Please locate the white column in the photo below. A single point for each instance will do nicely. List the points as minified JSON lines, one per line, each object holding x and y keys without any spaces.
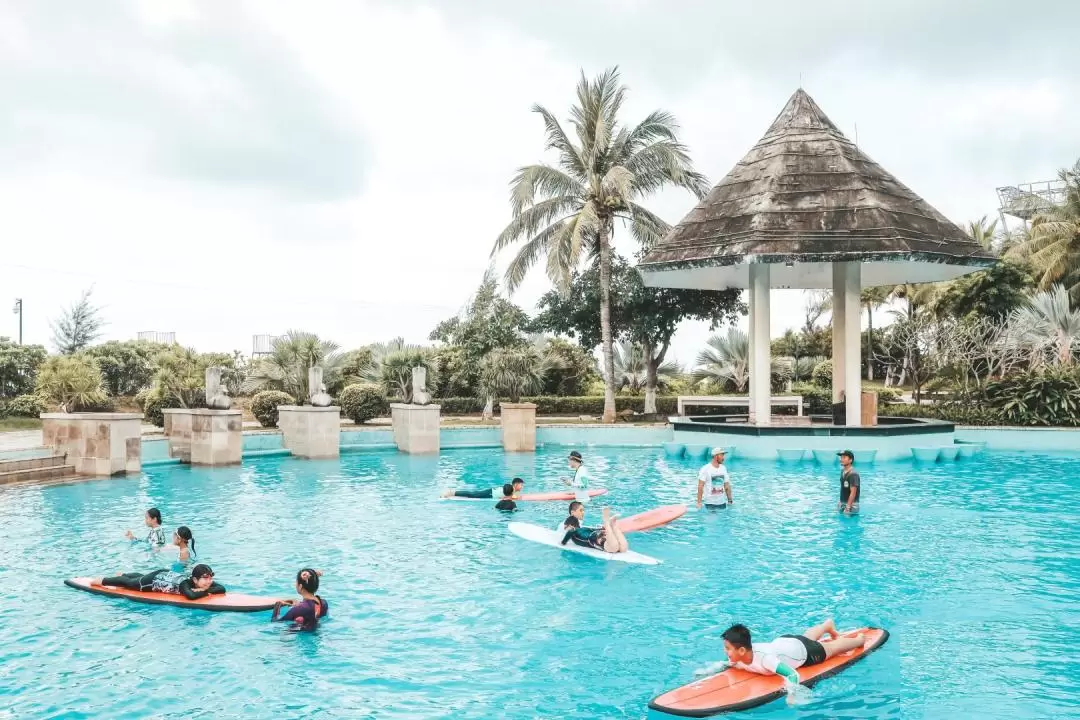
{"x":760,"y":365}
{"x":853,"y":342}
{"x":838,"y":317}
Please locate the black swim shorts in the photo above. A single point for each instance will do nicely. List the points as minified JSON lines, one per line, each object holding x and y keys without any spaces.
{"x":815,"y":651}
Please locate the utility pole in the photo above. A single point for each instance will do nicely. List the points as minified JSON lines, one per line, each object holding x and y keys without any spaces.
{"x":18,"y":311}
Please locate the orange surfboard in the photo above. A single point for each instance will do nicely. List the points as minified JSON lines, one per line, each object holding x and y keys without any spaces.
{"x":229,"y":602}
{"x":651,"y":518}
{"x":566,"y":495}
{"x":735,"y":689}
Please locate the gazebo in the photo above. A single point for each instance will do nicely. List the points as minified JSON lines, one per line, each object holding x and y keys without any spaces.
{"x":806,"y":209}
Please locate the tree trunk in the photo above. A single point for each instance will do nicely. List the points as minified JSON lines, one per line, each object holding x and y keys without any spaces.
{"x":605,"y":321}
{"x":651,"y":364}
{"x":870,"y":343}
{"x":489,"y":408}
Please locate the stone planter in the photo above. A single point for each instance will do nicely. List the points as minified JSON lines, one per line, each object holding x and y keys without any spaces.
{"x":518,"y":422}
{"x":416,"y":427}
{"x":310,"y":432}
{"x":97,"y":444}
{"x":178,"y":432}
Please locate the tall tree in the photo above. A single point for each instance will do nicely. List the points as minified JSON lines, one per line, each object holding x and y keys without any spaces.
{"x":19,"y":367}
{"x":78,"y":326}
{"x":565,"y":210}
{"x":647,"y":316}
{"x":1053,"y":244}
{"x":872,"y":299}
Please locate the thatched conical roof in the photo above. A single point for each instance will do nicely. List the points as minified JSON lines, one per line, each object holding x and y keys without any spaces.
{"x":805,"y":197}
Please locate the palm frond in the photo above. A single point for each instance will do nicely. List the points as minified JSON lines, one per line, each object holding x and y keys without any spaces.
{"x":543,"y":181}
{"x":530,"y":222}
{"x":570,"y":156}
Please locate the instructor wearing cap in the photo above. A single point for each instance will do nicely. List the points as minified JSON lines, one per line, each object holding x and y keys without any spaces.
{"x":714,"y":483}
{"x":850,"y":484}
{"x":580,"y":481}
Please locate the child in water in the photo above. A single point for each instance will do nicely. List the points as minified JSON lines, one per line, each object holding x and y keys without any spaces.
{"x":194,"y":587}
{"x":183,"y":544}
{"x":156,"y":537}
{"x":608,"y":538}
{"x":507,"y":503}
{"x":306,"y":613}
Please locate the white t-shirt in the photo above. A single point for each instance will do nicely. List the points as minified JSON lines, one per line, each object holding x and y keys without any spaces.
{"x":714,"y":479}
{"x":768,"y":655}
{"x":580,"y":484}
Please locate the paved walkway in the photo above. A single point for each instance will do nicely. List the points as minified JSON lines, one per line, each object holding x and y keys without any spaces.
{"x":20,"y":440}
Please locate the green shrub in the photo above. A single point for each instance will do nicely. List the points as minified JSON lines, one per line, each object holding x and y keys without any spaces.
{"x":558,"y":405}
{"x":264,"y":406}
{"x":816,"y":400}
{"x":25,"y":406}
{"x":461,"y":405}
{"x":1049,"y":396}
{"x":959,"y":414}
{"x":887,"y":395}
{"x":822,"y":374}
{"x":363,"y":401}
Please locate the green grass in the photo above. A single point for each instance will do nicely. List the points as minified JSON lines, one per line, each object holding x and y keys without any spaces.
{"x":19,"y":423}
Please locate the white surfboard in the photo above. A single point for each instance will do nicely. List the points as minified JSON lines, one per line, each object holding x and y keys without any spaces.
{"x":545,"y":536}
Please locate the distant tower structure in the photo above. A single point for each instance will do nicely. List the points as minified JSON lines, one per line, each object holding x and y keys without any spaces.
{"x":262,"y":345}
{"x":153,"y":336}
{"x":1027,"y":200}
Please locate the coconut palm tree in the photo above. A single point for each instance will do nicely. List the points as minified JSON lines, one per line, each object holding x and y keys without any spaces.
{"x":632,"y":369}
{"x":565,"y":211}
{"x":1049,"y":325}
{"x":1053,"y":243}
{"x":725,"y":358}
{"x":872,"y":299}
{"x":286,"y":367}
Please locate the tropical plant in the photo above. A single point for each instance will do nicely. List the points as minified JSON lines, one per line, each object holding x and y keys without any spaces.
{"x":564,"y":211}
{"x":78,"y":326}
{"x":1049,"y":326}
{"x":264,"y":406}
{"x":71,"y":381}
{"x":19,"y":367}
{"x":1053,"y":242}
{"x":818,"y":302}
{"x":363,"y":402}
{"x":512,"y":373}
{"x":872,"y":298}
{"x":127,"y":367}
{"x":30,"y":406}
{"x":357,"y":366}
{"x":632,"y":369}
{"x":396,"y":370}
{"x":1043,"y":396}
{"x":726,"y":359}
{"x":571,"y":368}
{"x":822,"y":375}
{"x":291,"y":357}
{"x":181,"y":375}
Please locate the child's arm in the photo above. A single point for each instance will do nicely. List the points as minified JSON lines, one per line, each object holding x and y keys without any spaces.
{"x":714,"y":668}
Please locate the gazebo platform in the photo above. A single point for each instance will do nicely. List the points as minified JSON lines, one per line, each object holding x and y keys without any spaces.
{"x":892,"y":438}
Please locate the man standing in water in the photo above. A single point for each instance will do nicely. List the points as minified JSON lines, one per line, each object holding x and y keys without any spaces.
{"x":850,"y":484}
{"x":714,"y":483}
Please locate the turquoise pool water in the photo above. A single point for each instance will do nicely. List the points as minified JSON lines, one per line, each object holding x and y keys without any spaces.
{"x":438,"y":612}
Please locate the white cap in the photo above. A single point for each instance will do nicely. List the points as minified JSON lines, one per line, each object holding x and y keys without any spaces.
{"x":718,"y":451}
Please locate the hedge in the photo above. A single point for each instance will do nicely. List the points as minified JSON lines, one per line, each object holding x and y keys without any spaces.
{"x":30,"y":406}
{"x":959,"y":414}
{"x":361,"y":402}
{"x":264,"y":406}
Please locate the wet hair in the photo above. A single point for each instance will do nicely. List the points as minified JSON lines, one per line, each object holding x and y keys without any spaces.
{"x":571,"y":521}
{"x":574,"y":506}
{"x":515,"y":481}
{"x":575,"y":455}
{"x":508,"y":490}
{"x":308,"y":579}
{"x":739,"y":636}
{"x":506,"y":504}
{"x":154,"y":514}
{"x":185,"y":534}
{"x":200,"y":570}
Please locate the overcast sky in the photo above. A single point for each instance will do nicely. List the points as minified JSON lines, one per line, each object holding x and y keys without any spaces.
{"x":221,"y":169}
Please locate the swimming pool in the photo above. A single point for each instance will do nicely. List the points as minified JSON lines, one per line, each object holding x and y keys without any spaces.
{"x":438,"y":612}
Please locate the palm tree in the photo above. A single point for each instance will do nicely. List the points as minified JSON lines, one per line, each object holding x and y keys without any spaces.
{"x":872,"y":298}
{"x":1053,"y":243}
{"x":562,"y":211}
{"x":726,"y":358}
{"x":984,"y":233}
{"x":71,"y":381}
{"x":1049,"y":325}
{"x":511,"y":372}
{"x":632,"y":369}
{"x":286,"y":367}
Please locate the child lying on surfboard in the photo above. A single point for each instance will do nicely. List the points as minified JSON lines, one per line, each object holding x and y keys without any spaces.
{"x":783,"y":655}
{"x":608,"y":538}
{"x":490,"y":493}
{"x":198,"y":585}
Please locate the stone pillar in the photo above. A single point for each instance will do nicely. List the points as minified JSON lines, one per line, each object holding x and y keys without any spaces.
{"x":178,"y":432}
{"x":760,"y":358}
{"x":310,"y":432}
{"x":852,"y":372}
{"x":518,"y":421}
{"x":838,"y":319}
{"x":97,"y":444}
{"x":217,"y":436}
{"x":416,"y":427}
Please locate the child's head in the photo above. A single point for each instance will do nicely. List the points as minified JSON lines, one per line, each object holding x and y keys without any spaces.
{"x":518,"y":484}
{"x":737,"y":644}
{"x":307,"y":580}
{"x":508,"y":490}
{"x":577,"y":510}
{"x":574,"y":460}
{"x":202,"y":577}
{"x":153,"y":518}
{"x":184,"y":537}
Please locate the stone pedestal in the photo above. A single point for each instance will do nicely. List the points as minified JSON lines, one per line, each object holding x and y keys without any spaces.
{"x":98,"y":444}
{"x":178,"y":432}
{"x":518,"y":422}
{"x":217,"y":436}
{"x":416,"y":427}
{"x":310,"y":432}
